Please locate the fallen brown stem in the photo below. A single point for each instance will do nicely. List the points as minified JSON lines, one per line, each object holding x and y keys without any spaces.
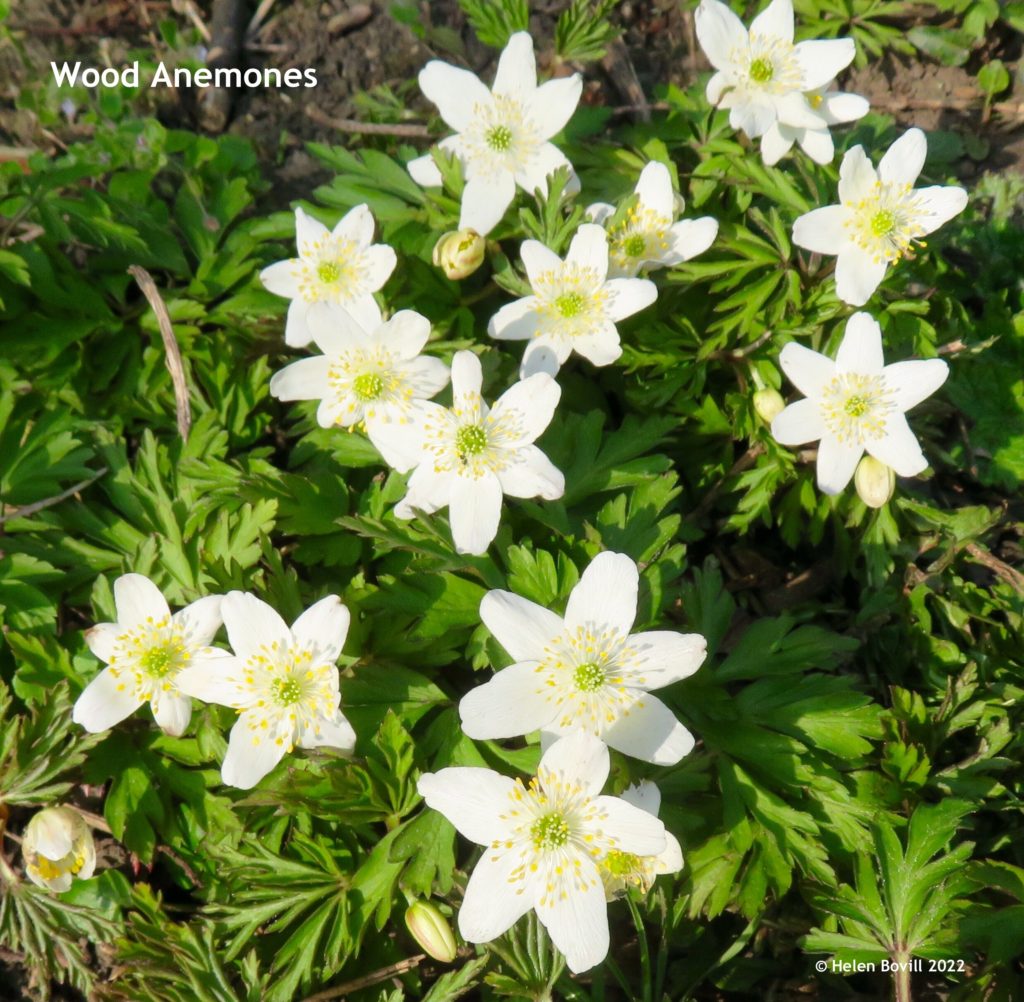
{"x":367,"y":128}
{"x":982,"y":556}
{"x":31,"y":509}
{"x":373,"y":978}
{"x":354,"y":17}
{"x":172,"y":352}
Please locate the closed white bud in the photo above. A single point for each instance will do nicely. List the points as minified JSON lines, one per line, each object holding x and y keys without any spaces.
{"x":769,"y":404}
{"x":459,"y":253}
{"x":431,"y":930}
{"x":58,"y":846}
{"x":874,"y":481}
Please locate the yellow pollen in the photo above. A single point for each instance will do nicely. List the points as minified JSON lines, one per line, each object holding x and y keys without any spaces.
{"x":368,"y":386}
{"x":499,"y":138}
{"x":328,"y":272}
{"x":470,"y":440}
{"x":883,"y":222}
{"x":761,"y":71}
{"x":549,"y":831}
{"x":570,"y":304}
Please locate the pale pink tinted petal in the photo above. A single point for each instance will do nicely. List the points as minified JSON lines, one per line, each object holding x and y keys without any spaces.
{"x":799,"y":423}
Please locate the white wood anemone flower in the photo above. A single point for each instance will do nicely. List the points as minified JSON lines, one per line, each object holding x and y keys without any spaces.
{"x":649,"y":237}
{"x":835,"y":108}
{"x":468,"y":456}
{"x":856,"y":404}
{"x":585,"y":671}
{"x":574,"y":306}
{"x":58,"y":847}
{"x":879,"y":216}
{"x":621,"y":870}
{"x":342,"y":266}
{"x":283,"y":683}
{"x":762,"y":76}
{"x":146,"y":651}
{"x":369,"y":376}
{"x":501,"y":134}
{"x":543,"y":844}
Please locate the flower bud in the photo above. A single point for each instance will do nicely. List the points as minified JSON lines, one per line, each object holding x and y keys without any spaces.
{"x":57,"y":846}
{"x":874,"y":482}
{"x":459,"y":253}
{"x":431,"y":930}
{"x":769,"y":404}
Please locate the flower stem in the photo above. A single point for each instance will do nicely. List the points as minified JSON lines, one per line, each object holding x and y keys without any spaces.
{"x":645,"y":950}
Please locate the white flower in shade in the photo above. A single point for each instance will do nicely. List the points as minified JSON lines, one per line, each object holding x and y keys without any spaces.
{"x":502,"y":133}
{"x":283,"y":682}
{"x":57,"y":847}
{"x":835,"y":107}
{"x":342,"y":266}
{"x":544,"y":841}
{"x":145,"y":651}
{"x":574,"y":306}
{"x":879,"y":216}
{"x":762,"y":76}
{"x":371,"y":376}
{"x":649,"y":237}
{"x":468,"y":456}
{"x":586,"y":670}
{"x":620,"y":870}
{"x":855,"y":404}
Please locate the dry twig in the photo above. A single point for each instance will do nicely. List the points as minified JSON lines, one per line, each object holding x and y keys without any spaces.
{"x":367,"y":128}
{"x":369,"y":979}
{"x":31,"y":509}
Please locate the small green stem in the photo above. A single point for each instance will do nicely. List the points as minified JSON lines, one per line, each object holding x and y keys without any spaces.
{"x":645,"y":950}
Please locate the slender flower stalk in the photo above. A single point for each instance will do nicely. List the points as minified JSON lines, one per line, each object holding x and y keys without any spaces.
{"x":544,"y":843}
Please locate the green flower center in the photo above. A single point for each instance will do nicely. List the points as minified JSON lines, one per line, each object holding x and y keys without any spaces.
{"x":499,"y":138}
{"x":328,"y":272}
{"x":470,"y":440}
{"x":368,"y":386}
{"x":588,"y":677}
{"x":634,"y":246}
{"x":621,"y":864}
{"x":570,"y":304}
{"x":286,"y":690}
{"x":761,"y":71}
{"x":549,"y":832}
{"x":158,"y":661}
{"x":856,"y":406}
{"x":883,"y":223}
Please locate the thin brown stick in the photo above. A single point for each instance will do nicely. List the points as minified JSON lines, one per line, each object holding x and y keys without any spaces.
{"x":31,"y":509}
{"x":619,"y":67}
{"x":172,"y":357}
{"x":367,"y":128}
{"x":982,"y":556}
{"x":369,"y":979}
{"x":347,"y":20}
{"x":735,"y":354}
{"x":256,"y":22}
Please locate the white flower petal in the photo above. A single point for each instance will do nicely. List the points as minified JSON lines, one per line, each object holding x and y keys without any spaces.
{"x":532,"y":475}
{"x":809,"y":371}
{"x":547,"y":355}
{"x":405,"y":333}
{"x":514,"y":702}
{"x":322,"y":628}
{"x":644,"y":795}
{"x":820,"y":60}
{"x":939,"y":204}
{"x":578,"y":922}
{"x":305,"y":379}
{"x":914,"y":381}
{"x":602,"y":347}
{"x":425,"y":375}
{"x":524,"y":410}
{"x":650,"y":733}
{"x":597,"y":212}
{"x":200,"y":620}
{"x":690,"y":237}
{"x":605,"y":595}
{"x":467,"y":374}
{"x":522,"y":627}
{"x":518,"y":321}
{"x":661,"y":657}
{"x":138,"y":601}
{"x":474,"y":510}
{"x":334,"y":733}
{"x":356,"y":225}
{"x":457,"y":93}
{"x":838,"y":107}
{"x":858,"y":275}
{"x":795,"y":111}
{"x":378,"y":263}
{"x":424,"y":171}
{"x":634,"y":829}
{"x":309,"y":232}
{"x":837,"y":462}
{"x":818,"y":145}
{"x":628,"y":296}
{"x":775,"y":21}
{"x":472,"y":799}
{"x":898,"y":448}
{"x":252,"y":625}
{"x":296,"y":328}
{"x":403,"y":443}
{"x":172,"y":712}
{"x":822,"y":230}
{"x":580,"y":758}
{"x":102,"y":704}
{"x":553,"y":103}
{"x":485,"y":199}
{"x":102,"y":639}
{"x":545,"y":160}
{"x":337,"y":330}
{"x":717,"y":87}
{"x":517,"y":67}
{"x":252,"y":752}
{"x":428,"y":492}
{"x":857,"y":178}
{"x":799,"y":423}
{"x":860,"y":351}
{"x":720,"y":33}
{"x":214,"y":676}
{"x":281,"y":278}
{"x":493,"y":903}
{"x":655,"y":190}
{"x":775,"y":144}
{"x":754,"y":117}
{"x":903,"y":160}
{"x":589,"y":249}
{"x":537,"y":259}
{"x":670,"y":859}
